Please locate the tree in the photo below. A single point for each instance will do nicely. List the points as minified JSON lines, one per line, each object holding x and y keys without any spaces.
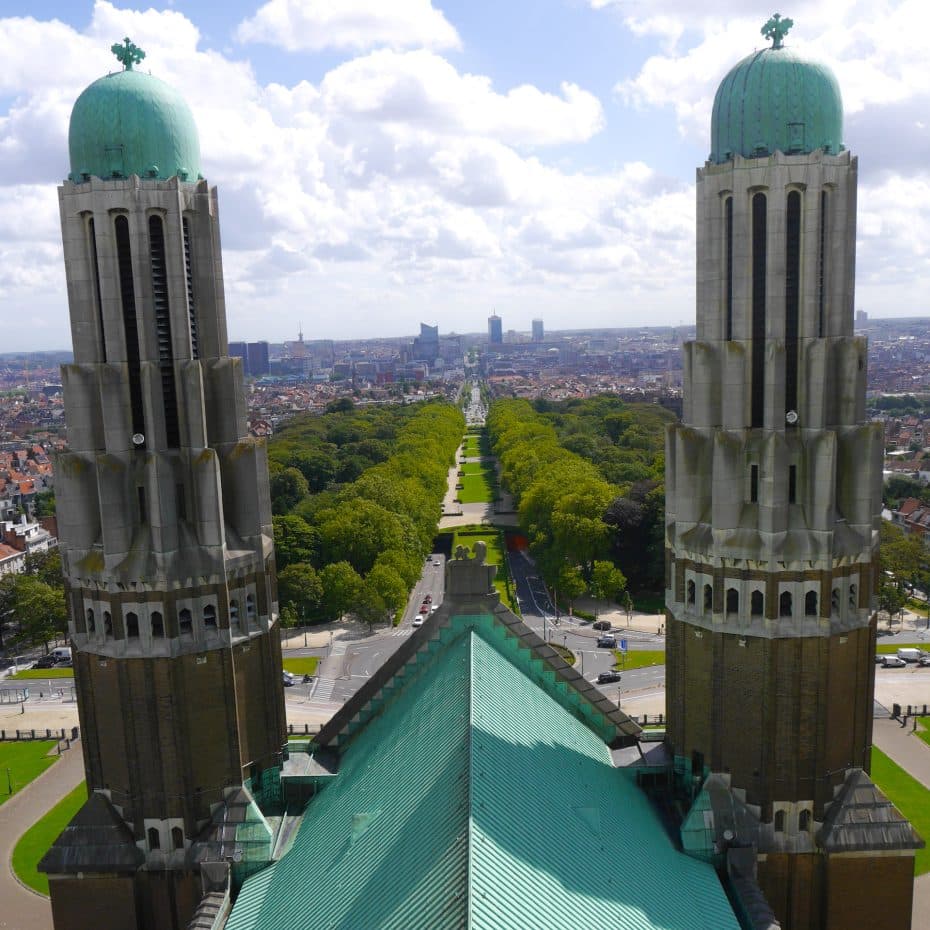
{"x":295,"y":540}
{"x":570,"y":583}
{"x":341,"y":587}
{"x":288,"y":488}
{"x":40,"y":610}
{"x":45,"y":504}
{"x":300,"y":588}
{"x":607,"y":581}
{"x":383,"y":593}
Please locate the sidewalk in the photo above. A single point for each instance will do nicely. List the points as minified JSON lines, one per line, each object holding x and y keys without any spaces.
{"x":23,"y":909}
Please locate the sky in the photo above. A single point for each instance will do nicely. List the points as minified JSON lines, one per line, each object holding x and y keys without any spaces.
{"x":382,"y":163}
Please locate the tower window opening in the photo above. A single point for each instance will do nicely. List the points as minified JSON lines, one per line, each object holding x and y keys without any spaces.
{"x":250,"y":607}
{"x":757,"y":603}
{"x":708,"y":597}
{"x":191,"y":304}
{"x":91,"y":622}
{"x":95,"y":272}
{"x":132,"y":626}
{"x":853,"y":603}
{"x":177,"y":837}
{"x":779,"y":821}
{"x":185,"y":623}
{"x":732,"y":601}
{"x":234,"y":613}
{"x":154,"y":839}
{"x":158,"y":625}
{"x":792,"y":297}
{"x":728,"y":271}
{"x":754,"y":483}
{"x":810,"y":604}
{"x":822,"y":264}
{"x":784,"y":604}
{"x":143,"y":510}
{"x":792,"y":484}
{"x":209,"y":617}
{"x":835,"y":602}
{"x":759,"y":265}
{"x":130,"y":324}
{"x":690,"y":592}
{"x":804,"y":820}
{"x":162,"y":308}
{"x":107,"y":624}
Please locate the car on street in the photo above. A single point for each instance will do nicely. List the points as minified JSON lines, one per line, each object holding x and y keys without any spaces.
{"x":607,"y":642}
{"x":924,"y":662}
{"x":418,"y":620}
{"x":600,"y":625}
{"x":287,"y":679}
{"x":437,"y":563}
{"x":607,"y":677}
{"x":45,"y":662}
{"x":428,"y":599}
{"x":893,"y":662}
{"x":424,"y":608}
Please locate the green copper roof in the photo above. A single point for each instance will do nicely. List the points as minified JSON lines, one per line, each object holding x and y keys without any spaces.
{"x":474,"y":796}
{"x":775,"y":100}
{"x":132,"y":123}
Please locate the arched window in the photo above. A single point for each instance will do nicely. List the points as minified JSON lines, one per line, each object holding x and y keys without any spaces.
{"x":792,"y":281}
{"x":732,"y":601}
{"x":759,"y":273}
{"x":784,"y":604}
{"x":158,"y":625}
{"x":163,"y":329}
{"x":177,"y":837}
{"x":779,"y":821}
{"x":728,"y":258}
{"x":132,"y":626}
{"x":853,"y":602}
{"x":835,"y":602}
{"x":708,"y":597}
{"x":690,"y":592}
{"x":91,"y":622}
{"x":130,"y":324}
{"x":810,"y":604}
{"x":209,"y":617}
{"x":185,"y":622}
{"x":154,"y":838}
{"x":250,"y":607}
{"x":757,"y":603}
{"x":804,"y":820}
{"x":107,"y":623}
{"x":234,"y":613}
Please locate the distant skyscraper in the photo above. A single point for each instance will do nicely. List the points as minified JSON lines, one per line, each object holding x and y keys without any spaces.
{"x":165,"y":523}
{"x":538,"y":332}
{"x":495,"y":330}
{"x":258,"y":359}
{"x":240,"y":350}
{"x":773,"y":503}
{"x":426,"y":345}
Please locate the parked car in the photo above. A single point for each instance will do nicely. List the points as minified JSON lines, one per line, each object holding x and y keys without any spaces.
{"x":607,"y":642}
{"x":910,"y":654}
{"x":600,"y":625}
{"x":893,"y":662}
{"x":418,"y":620}
{"x":428,"y":599}
{"x":878,"y":658}
{"x":45,"y":662}
{"x":606,"y":677}
{"x":287,"y":679}
{"x":924,"y":662}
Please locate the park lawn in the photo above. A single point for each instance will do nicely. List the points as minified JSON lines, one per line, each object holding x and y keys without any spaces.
{"x":21,"y":761}
{"x":891,"y":648}
{"x":909,"y":796}
{"x":467,"y":536}
{"x":638,"y":658}
{"x":35,"y":842}
{"x":923,"y":729}
{"x":479,"y":488}
{"x":45,"y":673}
{"x":302,"y":665}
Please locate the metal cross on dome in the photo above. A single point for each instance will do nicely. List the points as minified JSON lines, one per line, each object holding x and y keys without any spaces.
{"x":776,"y":29}
{"x":127,"y":53}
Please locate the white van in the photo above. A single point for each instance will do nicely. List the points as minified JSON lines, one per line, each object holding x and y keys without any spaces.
{"x":61,"y":653}
{"x":910,"y":654}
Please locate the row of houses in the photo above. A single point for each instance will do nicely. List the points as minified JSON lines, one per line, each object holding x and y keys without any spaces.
{"x":24,"y":537}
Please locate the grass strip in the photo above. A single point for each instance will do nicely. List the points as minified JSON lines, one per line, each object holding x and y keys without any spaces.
{"x":35,"y":842}
{"x":302,"y":665}
{"x":43,"y":673}
{"x":638,"y":658}
{"x":909,"y":796}
{"x":21,"y":761}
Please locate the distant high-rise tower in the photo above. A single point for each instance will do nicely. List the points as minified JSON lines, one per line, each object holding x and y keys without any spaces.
{"x":538,"y":331}
{"x":165,"y":524}
{"x":495,"y":330}
{"x":773,"y":503}
{"x":240,"y":350}
{"x":258,"y":359}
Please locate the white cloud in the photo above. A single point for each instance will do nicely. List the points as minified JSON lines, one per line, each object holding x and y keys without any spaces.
{"x":312,"y":25}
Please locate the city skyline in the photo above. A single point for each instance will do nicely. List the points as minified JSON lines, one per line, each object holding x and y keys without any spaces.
{"x":443,"y":164}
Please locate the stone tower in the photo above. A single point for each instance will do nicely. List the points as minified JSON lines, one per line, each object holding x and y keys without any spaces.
{"x":164,"y":517}
{"x":773,"y":501}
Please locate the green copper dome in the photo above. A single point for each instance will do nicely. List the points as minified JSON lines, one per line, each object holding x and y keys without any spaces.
{"x":132,"y":123}
{"x":775,"y":100}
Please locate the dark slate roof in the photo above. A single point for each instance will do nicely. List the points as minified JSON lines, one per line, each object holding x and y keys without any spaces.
{"x":862,"y":818}
{"x":96,"y":840}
